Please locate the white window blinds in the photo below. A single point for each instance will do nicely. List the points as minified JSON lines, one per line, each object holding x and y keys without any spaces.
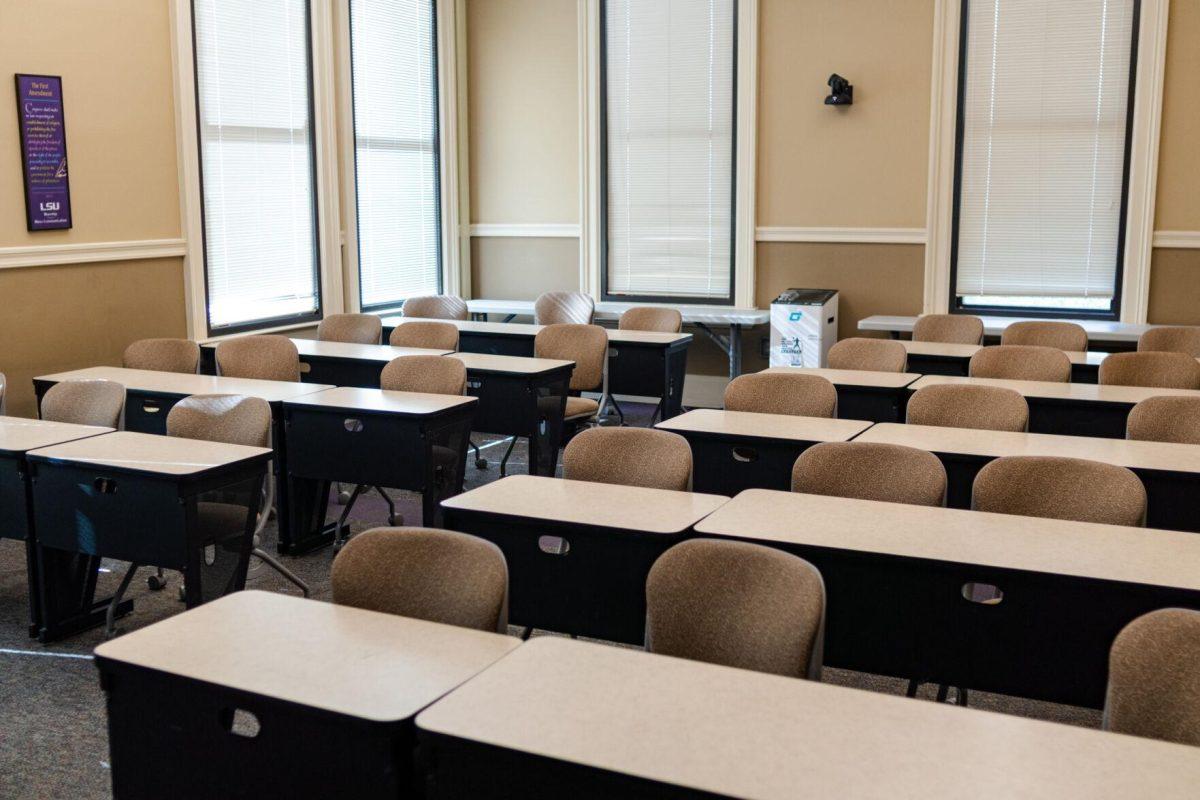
{"x":669,"y":104}
{"x":1045,"y":98}
{"x":394,"y":61}
{"x":252,"y":82}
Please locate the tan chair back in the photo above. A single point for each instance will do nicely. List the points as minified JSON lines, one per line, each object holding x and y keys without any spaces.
{"x":1046,"y":333}
{"x":352,"y":328}
{"x":651,"y":318}
{"x":429,"y":374}
{"x":1021,"y":363}
{"x":228,"y":418}
{"x":1154,"y":677}
{"x":630,"y":457}
{"x":875,"y":355}
{"x":555,"y":308}
{"x":948,"y":328}
{"x":586,"y":345}
{"x":424,"y":573}
{"x":266,"y":357}
{"x":1161,"y":370}
{"x":737,"y":604}
{"x":951,"y":405}
{"x":891,"y":473}
{"x":1055,"y":487}
{"x":84,"y":403}
{"x":434,"y":335}
{"x":1172,"y":338}
{"x":163,"y":355}
{"x":436,"y":306}
{"x":1165,"y":419}
{"x":796,"y":394}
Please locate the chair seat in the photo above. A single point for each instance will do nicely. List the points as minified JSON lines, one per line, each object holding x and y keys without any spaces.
{"x":581,"y":407}
{"x":220,"y":520}
{"x":444,"y":455}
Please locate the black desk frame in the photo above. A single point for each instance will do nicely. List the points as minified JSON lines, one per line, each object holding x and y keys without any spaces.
{"x":523,"y":404}
{"x":872,"y":403}
{"x":726,"y":464}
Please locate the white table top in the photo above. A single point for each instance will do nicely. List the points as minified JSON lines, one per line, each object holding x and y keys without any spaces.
{"x":529,"y":330}
{"x":187,"y":384}
{"x":946,"y":349}
{"x":365,"y":664}
{"x":1082,"y":392}
{"x":1059,"y":547}
{"x":855,"y":377}
{"x":765,"y":426}
{"x":381,"y":353}
{"x":707,"y":315}
{"x":603,"y":505}
{"x":407,"y":404}
{"x":1098,"y":330}
{"x":18,"y":435}
{"x":513,"y":364}
{"x":962,"y":441}
{"x":145,"y":452}
{"x":748,"y":734}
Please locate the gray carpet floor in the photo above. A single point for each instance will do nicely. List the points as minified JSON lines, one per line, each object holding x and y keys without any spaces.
{"x":53,"y":739}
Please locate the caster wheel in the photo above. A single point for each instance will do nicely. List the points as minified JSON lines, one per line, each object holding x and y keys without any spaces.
{"x":481,"y":463}
{"x":156,"y":583}
{"x":343,"y":497}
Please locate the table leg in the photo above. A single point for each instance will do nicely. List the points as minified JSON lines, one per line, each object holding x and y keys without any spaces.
{"x":735,"y":350}
{"x":546,"y":436}
{"x":67,"y":585}
{"x":674,"y":375}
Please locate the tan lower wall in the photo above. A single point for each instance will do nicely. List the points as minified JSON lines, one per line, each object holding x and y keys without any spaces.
{"x":82,"y":315}
{"x":520,"y":268}
{"x":1175,"y":287}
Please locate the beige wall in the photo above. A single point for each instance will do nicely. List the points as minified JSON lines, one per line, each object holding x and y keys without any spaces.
{"x":523,"y":268}
{"x":115,"y":61}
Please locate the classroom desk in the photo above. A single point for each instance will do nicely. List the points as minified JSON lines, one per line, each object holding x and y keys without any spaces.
{"x":333,"y":690}
{"x":1074,"y":409}
{"x":641,"y":363}
{"x":578,"y":552}
{"x":863,"y":394}
{"x":707,"y":318}
{"x":939,"y":358}
{"x":1106,"y":332}
{"x":559,"y":718}
{"x":369,"y":437}
{"x":150,"y":395}
{"x":897,"y":577}
{"x":736,"y":450}
{"x":523,"y":397}
{"x":336,"y":363}
{"x":17,"y":437}
{"x":151,"y":500}
{"x":1170,"y":472}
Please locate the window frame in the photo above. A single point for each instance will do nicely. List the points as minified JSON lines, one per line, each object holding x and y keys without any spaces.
{"x":730,"y":298}
{"x":437,"y":160}
{"x":274,"y":322}
{"x":956,"y":305}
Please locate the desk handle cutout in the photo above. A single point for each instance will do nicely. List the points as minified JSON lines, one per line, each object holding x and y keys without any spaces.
{"x":984,"y":594}
{"x":239,"y":722}
{"x":151,"y":406}
{"x":744,"y":455}
{"x":105,"y":485}
{"x":554,"y":545}
{"x":353,"y":425}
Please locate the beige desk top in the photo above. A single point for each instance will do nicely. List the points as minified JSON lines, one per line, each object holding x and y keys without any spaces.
{"x":948,"y":349}
{"x":1122,"y":452}
{"x":617,"y":336}
{"x":747,"y":734}
{"x":603,"y":505}
{"x":18,"y":435}
{"x":186,"y":384}
{"x":765,"y":426}
{"x":525,"y":329}
{"x":1058,"y":547}
{"x":145,"y":452}
{"x":1083,"y":392}
{"x":856,"y":377}
{"x":401,"y":403}
{"x":363,"y":664}
{"x":512,"y":364}
{"x":360,"y":352}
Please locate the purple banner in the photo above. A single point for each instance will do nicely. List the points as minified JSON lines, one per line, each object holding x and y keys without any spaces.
{"x":43,"y":152}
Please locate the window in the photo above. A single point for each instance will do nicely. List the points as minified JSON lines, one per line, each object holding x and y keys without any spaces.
{"x":668,"y":105}
{"x":394,"y":68}
{"x":1045,"y":100}
{"x":254,"y":114}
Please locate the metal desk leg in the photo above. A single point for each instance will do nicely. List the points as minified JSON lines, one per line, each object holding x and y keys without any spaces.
{"x":730,"y":344}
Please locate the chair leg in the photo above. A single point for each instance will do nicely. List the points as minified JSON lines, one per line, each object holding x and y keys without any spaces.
{"x":110,"y":616}
{"x":480,"y":461}
{"x":271,"y":562}
{"x":393,"y":517}
{"x":339,"y":537}
{"x":525,"y":634}
{"x":961,"y":699}
{"x":913,"y":686}
{"x":342,"y":495}
{"x":943,"y":690}
{"x":620,"y":413}
{"x":504,"y":461}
